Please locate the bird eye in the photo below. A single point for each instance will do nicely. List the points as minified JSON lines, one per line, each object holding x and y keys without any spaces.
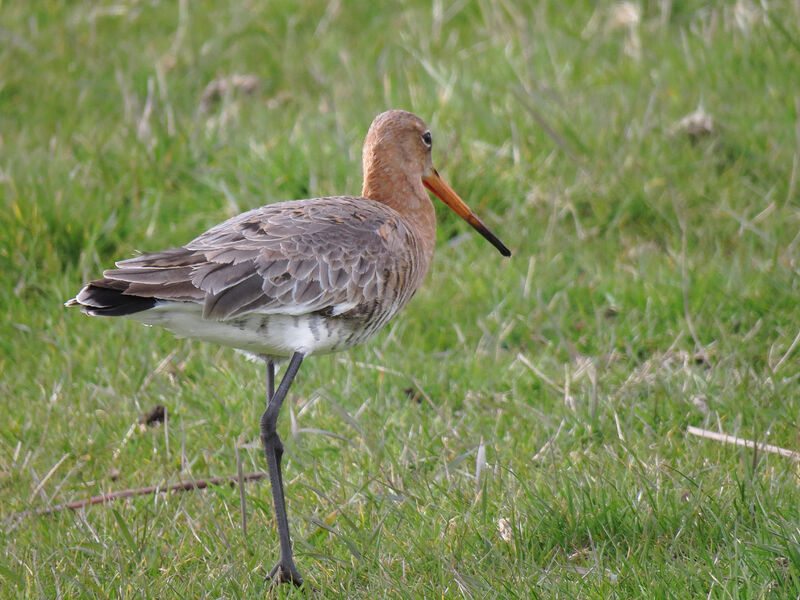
{"x":426,"y":139}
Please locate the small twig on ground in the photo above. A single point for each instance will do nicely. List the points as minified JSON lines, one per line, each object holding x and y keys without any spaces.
{"x":180,"y":486}
{"x":730,"y":439}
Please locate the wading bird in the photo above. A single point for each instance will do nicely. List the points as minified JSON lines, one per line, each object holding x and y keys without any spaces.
{"x":292,"y":279}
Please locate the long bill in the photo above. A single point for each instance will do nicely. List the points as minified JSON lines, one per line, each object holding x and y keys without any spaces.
{"x":445,"y":193}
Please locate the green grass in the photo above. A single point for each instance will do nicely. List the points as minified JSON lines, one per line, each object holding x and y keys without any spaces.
{"x":654,"y":285}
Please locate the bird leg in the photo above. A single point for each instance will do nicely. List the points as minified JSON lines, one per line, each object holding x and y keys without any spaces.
{"x":285,"y":570}
{"x":279,"y":446}
{"x":270,"y":394}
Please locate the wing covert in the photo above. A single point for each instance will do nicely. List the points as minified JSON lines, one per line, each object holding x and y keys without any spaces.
{"x":291,"y":258}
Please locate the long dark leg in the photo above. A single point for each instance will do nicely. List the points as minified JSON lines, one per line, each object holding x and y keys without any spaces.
{"x":279,"y":449}
{"x":285,"y":570}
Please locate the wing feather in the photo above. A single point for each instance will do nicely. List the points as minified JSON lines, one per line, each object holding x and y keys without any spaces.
{"x":293,"y":258}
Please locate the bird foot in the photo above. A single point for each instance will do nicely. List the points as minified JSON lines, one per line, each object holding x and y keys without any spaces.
{"x":284,"y":572}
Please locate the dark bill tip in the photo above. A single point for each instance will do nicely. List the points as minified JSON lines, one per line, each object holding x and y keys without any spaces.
{"x":487,"y":233}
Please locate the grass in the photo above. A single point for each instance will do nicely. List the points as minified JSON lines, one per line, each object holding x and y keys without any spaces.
{"x":654,"y":285}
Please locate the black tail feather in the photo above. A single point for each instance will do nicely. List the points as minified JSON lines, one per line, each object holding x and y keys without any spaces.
{"x":103,"y":298}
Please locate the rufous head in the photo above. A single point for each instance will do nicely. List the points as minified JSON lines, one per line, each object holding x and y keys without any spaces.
{"x":398,"y":146}
{"x":399,"y":141}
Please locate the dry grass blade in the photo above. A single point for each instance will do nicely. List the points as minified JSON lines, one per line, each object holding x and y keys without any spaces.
{"x":737,"y":441}
{"x":242,"y":498}
{"x":787,"y":353}
{"x":480,"y":465}
{"x":46,"y":477}
{"x":521,"y":358}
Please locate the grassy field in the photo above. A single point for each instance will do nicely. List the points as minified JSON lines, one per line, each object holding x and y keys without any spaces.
{"x":521,"y":430}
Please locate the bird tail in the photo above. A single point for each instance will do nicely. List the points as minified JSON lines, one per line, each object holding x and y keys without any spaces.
{"x":107,"y":298}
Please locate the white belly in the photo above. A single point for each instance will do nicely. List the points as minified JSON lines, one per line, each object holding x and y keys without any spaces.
{"x":275,"y":335}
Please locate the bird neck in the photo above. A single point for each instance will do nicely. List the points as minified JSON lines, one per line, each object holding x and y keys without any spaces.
{"x":405,"y":194}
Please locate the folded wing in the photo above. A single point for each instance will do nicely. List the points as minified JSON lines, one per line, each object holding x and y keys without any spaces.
{"x":334,"y":255}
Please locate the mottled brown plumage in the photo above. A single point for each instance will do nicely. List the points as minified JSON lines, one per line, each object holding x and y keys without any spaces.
{"x":292,"y":258}
{"x":295,"y":278}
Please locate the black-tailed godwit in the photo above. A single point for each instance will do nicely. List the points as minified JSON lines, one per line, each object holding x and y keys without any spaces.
{"x":292,"y":279}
